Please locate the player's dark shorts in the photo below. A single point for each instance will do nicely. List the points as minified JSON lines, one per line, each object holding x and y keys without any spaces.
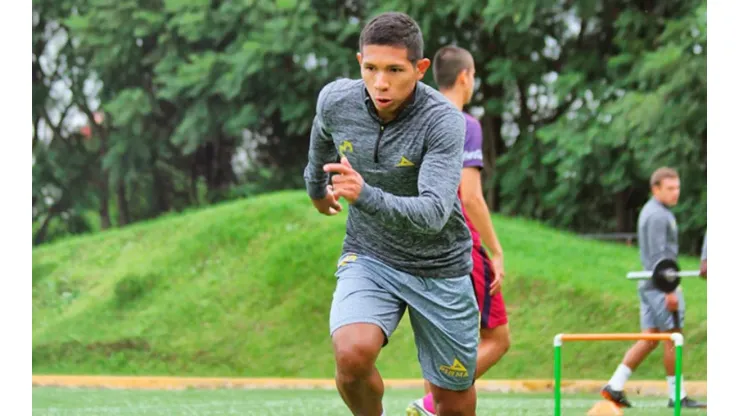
{"x":492,"y":308}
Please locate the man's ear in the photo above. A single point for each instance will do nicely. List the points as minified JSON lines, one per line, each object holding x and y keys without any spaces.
{"x":359,"y":58}
{"x":462,"y":77}
{"x":421,"y":67}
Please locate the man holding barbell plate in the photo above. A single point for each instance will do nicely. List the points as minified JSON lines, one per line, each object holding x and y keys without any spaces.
{"x":657,"y":235}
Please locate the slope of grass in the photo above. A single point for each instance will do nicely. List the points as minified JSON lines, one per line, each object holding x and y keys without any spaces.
{"x":244,"y":288}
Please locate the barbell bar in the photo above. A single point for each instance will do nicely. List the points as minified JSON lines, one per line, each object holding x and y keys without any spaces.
{"x":666,"y":275}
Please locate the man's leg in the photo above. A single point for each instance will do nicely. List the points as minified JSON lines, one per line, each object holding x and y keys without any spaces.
{"x":494,"y":343}
{"x":494,"y":328}
{"x":444,"y":317}
{"x":670,"y":323}
{"x":638,"y":352}
{"x":614,"y":389}
{"x":669,"y":361}
{"x":364,"y":314}
{"x":356,"y":347}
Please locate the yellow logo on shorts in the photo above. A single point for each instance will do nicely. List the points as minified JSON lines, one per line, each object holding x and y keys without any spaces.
{"x":454,"y":370}
{"x":349,"y":258}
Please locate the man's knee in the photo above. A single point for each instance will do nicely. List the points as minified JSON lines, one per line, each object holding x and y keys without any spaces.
{"x":455,"y":403}
{"x":356,"y":349}
{"x":651,"y":345}
{"x":354,"y":358}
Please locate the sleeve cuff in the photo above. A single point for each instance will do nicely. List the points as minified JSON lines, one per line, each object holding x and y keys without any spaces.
{"x":366,"y":200}
{"x":316,"y":190}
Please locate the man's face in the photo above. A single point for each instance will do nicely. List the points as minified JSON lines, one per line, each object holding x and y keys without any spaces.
{"x":668,"y":191}
{"x":389,"y":76}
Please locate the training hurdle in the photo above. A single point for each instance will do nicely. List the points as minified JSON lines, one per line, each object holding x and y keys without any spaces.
{"x":676,"y":337}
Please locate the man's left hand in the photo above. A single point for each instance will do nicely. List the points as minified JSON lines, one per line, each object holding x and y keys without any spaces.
{"x":498,"y":274}
{"x":703,"y":270}
{"x":347,"y":183}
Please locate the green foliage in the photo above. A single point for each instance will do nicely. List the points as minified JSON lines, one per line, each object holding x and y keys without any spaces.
{"x":650,"y":112}
{"x":581,"y":100}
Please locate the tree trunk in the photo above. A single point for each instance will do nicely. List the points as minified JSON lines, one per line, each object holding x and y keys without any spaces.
{"x":123,"y":214}
{"x":160,"y":192}
{"x":620,"y":210}
{"x":104,"y":211}
{"x":194,"y":182}
{"x":103,"y":181}
{"x":493,"y":147}
{"x":40,"y":236}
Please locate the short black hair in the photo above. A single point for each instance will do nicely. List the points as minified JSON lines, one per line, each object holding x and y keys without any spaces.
{"x":448,"y":62}
{"x":394,"y":29}
{"x":656,"y":179}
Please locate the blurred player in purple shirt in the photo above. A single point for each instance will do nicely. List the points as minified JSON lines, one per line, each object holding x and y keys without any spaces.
{"x":454,"y":73}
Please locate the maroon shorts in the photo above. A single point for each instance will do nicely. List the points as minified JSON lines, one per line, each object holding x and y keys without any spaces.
{"x":492,"y":309}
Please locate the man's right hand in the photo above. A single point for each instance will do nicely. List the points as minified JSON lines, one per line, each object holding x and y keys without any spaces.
{"x":671,"y":302}
{"x":328,"y":205}
{"x":703,"y":269}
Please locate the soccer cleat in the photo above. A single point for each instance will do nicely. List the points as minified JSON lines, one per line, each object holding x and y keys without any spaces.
{"x":416,"y":408}
{"x":688,"y":404}
{"x":615,"y":396}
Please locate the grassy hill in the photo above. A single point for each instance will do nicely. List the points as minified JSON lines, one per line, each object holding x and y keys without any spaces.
{"x":244,"y":288}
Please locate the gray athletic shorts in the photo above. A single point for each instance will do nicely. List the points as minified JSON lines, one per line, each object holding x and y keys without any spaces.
{"x":653,"y":312}
{"x":443,"y":314}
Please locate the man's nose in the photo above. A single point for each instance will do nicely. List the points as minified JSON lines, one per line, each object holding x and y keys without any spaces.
{"x":381,"y":82}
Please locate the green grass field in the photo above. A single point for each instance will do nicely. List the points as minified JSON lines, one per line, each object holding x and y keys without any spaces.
{"x":244,"y":288}
{"x":78,"y":402}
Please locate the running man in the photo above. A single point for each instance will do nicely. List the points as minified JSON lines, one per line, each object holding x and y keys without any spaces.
{"x":657,"y":235}
{"x":400,"y":144}
{"x":454,"y":72}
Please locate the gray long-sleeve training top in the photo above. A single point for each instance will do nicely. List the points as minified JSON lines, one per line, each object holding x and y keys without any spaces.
{"x":408,"y":214}
{"x":657,"y":235}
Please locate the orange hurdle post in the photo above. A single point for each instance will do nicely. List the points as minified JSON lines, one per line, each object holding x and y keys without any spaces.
{"x":676,"y":337}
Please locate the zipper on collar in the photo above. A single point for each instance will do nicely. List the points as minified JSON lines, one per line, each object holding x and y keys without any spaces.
{"x":377,"y":142}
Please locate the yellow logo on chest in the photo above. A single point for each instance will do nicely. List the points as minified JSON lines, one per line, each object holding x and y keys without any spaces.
{"x":404,"y":162}
{"x":345,"y":147}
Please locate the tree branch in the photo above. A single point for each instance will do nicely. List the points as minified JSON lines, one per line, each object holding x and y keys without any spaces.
{"x":526,"y":114}
{"x":56,"y":129}
{"x":36,"y":123}
{"x":559,"y":111}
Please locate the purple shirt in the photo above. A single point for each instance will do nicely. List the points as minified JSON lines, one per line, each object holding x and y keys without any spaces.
{"x":473,"y":149}
{"x":472,"y":158}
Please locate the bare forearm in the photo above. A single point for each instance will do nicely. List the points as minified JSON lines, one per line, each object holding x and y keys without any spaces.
{"x":477,"y":211}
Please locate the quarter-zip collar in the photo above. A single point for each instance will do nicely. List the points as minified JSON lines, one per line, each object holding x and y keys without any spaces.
{"x":406,"y":108}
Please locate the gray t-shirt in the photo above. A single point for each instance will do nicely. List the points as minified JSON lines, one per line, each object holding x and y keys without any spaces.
{"x":657,"y":235}
{"x":704,"y":248}
{"x":408,"y":214}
